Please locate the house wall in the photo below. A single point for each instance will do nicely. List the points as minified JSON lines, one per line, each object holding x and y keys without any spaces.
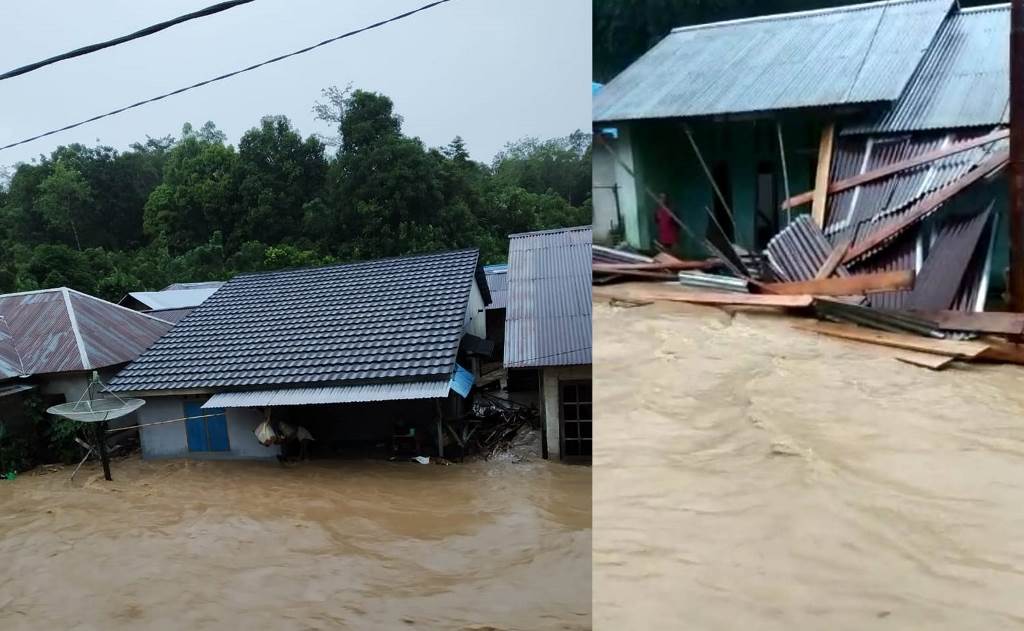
{"x":476,"y":319}
{"x":169,"y":441}
{"x":550,"y":377}
{"x":605,"y":189}
{"x":72,"y":386}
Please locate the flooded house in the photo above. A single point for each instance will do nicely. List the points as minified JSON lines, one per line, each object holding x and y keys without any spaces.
{"x":52,"y":340}
{"x":351,"y":352}
{"x":877,"y":127}
{"x":548,"y":332}
{"x":172,"y":303}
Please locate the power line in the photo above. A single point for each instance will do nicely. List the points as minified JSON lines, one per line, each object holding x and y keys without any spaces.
{"x":149,"y":30}
{"x":228,"y":75}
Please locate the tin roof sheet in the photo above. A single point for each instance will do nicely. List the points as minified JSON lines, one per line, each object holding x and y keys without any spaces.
{"x":963,"y":80}
{"x":548,"y":319}
{"x":430,"y":389}
{"x":497,"y":285}
{"x":173,"y":298}
{"x":851,"y":54}
{"x":387,"y":320}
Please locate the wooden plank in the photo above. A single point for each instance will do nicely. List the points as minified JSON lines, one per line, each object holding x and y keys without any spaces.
{"x":834,"y":259}
{"x":821,"y":176}
{"x":870,"y":176}
{"x":926,"y":360}
{"x":1000,"y":322}
{"x":952,"y":348}
{"x":1003,"y":351}
{"x":634,"y":292}
{"x":846,"y":285}
{"x":927,"y":205}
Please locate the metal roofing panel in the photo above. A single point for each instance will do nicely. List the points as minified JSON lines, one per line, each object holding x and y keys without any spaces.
{"x":9,"y":389}
{"x":497,"y":284}
{"x":851,"y":54}
{"x":800,"y":250}
{"x":436,"y":389}
{"x":389,"y":319}
{"x":112,"y":334}
{"x":963,"y":81}
{"x":210,"y":283}
{"x":940,"y":280}
{"x":548,"y":319}
{"x":173,"y":298}
{"x":170,"y":315}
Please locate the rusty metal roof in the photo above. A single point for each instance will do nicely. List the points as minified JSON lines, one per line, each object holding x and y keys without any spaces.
{"x":963,"y":80}
{"x":840,"y":56}
{"x":62,"y":330}
{"x":547,"y":322}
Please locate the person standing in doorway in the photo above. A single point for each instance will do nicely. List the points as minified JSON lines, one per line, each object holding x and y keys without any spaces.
{"x":668,"y":230}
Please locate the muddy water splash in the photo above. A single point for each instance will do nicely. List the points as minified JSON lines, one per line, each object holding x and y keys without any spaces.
{"x":246,"y":545}
{"x":779,"y":480}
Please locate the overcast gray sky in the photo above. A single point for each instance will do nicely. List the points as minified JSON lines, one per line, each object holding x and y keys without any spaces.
{"x":489,"y":70}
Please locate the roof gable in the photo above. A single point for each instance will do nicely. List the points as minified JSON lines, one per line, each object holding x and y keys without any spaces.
{"x":846,"y":55}
{"x":548,"y":317}
{"x":391,"y":319}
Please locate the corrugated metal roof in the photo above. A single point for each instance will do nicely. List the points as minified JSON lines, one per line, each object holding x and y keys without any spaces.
{"x":963,"y":81}
{"x":390,"y":319}
{"x":852,"y":54}
{"x":433,"y":389}
{"x":173,"y":298}
{"x":497,"y":285}
{"x":941,"y":278}
{"x":9,"y":389}
{"x":798,"y":251}
{"x":200,"y":285}
{"x":170,"y":315}
{"x":548,"y":320}
{"x":62,"y":330}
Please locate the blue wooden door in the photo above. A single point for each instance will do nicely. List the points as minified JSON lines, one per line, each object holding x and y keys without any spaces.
{"x":206,"y":430}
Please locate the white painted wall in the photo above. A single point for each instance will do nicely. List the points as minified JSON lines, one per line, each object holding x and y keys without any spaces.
{"x":72,"y":385}
{"x":549,"y":379}
{"x":476,"y":319}
{"x":606,"y":213}
{"x":169,"y":440}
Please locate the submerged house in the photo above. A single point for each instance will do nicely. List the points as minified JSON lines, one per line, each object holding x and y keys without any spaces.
{"x":347,"y":351}
{"x":172,"y":303}
{"x":53,"y":339}
{"x":548,"y":330}
{"x":730,"y":119}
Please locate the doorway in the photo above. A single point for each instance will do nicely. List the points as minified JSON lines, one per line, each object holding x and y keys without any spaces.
{"x":206,"y":429}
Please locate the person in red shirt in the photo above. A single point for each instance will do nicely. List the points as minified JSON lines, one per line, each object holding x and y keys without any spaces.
{"x":668,"y":230}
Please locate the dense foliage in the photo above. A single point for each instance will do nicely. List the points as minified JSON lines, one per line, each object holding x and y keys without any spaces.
{"x":196,"y":208}
{"x":626,"y":29}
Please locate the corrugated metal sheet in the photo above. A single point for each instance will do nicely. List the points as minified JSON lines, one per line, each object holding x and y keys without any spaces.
{"x":435,"y":389}
{"x":39,"y":330}
{"x":200,"y":285}
{"x":497,"y":284}
{"x":853,"y":54}
{"x":602,"y":254}
{"x":963,"y":81}
{"x":7,"y":390}
{"x":798,"y":251}
{"x":461,"y":381}
{"x":174,"y":298}
{"x":548,"y":320}
{"x":10,"y":359}
{"x":170,"y":315}
{"x":941,"y":278}
{"x":389,"y":319}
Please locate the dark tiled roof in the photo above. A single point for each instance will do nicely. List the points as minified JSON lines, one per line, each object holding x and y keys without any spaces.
{"x":392,"y":319}
{"x":547,"y":321}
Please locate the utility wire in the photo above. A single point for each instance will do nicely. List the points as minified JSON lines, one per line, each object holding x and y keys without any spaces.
{"x":228,"y":75}
{"x":149,"y":30}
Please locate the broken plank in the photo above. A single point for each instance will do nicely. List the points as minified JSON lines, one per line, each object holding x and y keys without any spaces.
{"x":925,"y":360}
{"x":633,"y":292}
{"x":820,"y":195}
{"x":1003,"y":351}
{"x":870,"y":176}
{"x":831,"y":264}
{"x":952,"y":348}
{"x":845,"y":285}
{"x":999,"y":322}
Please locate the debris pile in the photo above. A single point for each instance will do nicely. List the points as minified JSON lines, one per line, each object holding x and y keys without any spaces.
{"x":898,"y":255}
{"x":495,"y":425}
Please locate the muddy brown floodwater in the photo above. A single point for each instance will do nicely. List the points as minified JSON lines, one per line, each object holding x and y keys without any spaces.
{"x":751,"y":476}
{"x":340,"y":545}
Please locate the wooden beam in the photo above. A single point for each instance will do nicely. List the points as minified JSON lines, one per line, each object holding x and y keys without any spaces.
{"x":926,"y":205}
{"x":952,"y":348}
{"x":821,"y":176}
{"x":640,"y":292}
{"x":999,"y":322}
{"x":1002,"y":351}
{"x":845,"y":285}
{"x":927,"y":360}
{"x":870,"y":176}
{"x":834,"y":259}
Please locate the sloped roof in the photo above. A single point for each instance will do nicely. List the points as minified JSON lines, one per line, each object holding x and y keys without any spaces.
{"x":963,"y":81}
{"x":200,"y":285}
{"x":173,"y":298}
{"x":387,"y":320}
{"x":497,"y":284}
{"x":62,"y":330}
{"x":547,"y":321}
{"x":852,"y":54}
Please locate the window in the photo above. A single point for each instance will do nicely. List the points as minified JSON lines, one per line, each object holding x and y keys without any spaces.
{"x":577,"y":412}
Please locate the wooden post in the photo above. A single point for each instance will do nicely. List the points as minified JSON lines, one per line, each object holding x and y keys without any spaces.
{"x":101,"y":444}
{"x":821,"y":177}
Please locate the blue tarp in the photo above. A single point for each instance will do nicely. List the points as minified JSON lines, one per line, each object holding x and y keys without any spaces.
{"x":462,"y":381}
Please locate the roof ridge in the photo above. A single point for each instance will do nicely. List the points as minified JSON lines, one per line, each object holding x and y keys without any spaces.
{"x":355,"y":263}
{"x":549,"y":231}
{"x":1000,"y":6}
{"x":112,"y":304}
{"x":791,"y":15}
{"x":83,"y":355}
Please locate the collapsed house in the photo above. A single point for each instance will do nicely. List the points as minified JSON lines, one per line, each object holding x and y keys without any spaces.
{"x":548,"y":331}
{"x":347,"y":351}
{"x":53,"y":339}
{"x":172,"y":303}
{"x":891,"y":115}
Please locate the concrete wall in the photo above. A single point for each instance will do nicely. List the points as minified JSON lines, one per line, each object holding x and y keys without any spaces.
{"x":72,"y":386}
{"x":169,"y":440}
{"x":550,"y":377}
{"x":476,"y":319}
